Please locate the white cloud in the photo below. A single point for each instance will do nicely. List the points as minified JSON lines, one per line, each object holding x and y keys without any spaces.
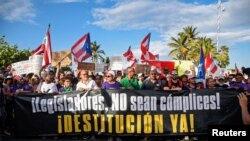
{"x":168,"y":17}
{"x":17,"y":10}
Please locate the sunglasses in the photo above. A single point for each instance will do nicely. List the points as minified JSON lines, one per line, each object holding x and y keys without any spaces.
{"x":152,"y":73}
{"x":85,"y":74}
{"x":109,"y":76}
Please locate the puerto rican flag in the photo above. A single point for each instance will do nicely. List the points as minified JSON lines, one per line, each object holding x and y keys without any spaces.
{"x":210,"y":64}
{"x":45,"y":49}
{"x":146,"y":54}
{"x":145,"y":44}
{"x":38,"y":51}
{"x":130,"y":57}
{"x":81,"y":50}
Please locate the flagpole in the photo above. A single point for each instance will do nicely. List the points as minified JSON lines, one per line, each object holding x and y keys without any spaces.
{"x":48,"y":27}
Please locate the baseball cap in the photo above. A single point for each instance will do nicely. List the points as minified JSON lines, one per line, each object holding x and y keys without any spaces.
{"x":9,"y":77}
{"x":140,"y":74}
{"x":112,"y":73}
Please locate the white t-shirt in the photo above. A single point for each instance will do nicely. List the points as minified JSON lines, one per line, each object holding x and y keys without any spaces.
{"x":90,"y":85}
{"x":48,"y":88}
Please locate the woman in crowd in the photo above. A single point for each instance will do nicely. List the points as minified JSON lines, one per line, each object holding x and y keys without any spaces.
{"x":9,"y":91}
{"x":36,"y":83}
{"x":185,"y":82}
{"x":22,"y":86}
{"x":85,"y":83}
{"x":111,"y":83}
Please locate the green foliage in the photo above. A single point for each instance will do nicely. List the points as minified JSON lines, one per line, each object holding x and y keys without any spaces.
{"x":10,"y":54}
{"x":187,"y":47}
{"x":67,"y":68}
{"x":97,"y":54}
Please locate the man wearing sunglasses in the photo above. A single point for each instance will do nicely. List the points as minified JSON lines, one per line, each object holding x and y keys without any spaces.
{"x":152,"y":83}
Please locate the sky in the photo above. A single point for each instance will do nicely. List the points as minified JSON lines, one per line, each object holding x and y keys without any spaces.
{"x":118,"y":24}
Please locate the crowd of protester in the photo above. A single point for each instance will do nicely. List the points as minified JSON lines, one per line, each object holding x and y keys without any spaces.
{"x":51,"y":82}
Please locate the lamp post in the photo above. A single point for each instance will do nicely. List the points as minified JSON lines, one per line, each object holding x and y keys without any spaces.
{"x":218,"y":24}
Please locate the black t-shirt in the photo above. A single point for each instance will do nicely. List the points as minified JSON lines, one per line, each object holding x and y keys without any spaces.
{"x":1,"y":92}
{"x":149,"y":85}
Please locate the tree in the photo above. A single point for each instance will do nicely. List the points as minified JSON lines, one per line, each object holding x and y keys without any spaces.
{"x":106,"y":61}
{"x":223,"y":57}
{"x":187,"y":47}
{"x":11,"y":54}
{"x":190,"y":32}
{"x":180,"y":50}
{"x":96,"y":52}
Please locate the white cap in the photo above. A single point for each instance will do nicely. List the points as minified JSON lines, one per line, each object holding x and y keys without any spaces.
{"x":9,"y":77}
{"x":140,"y":74}
{"x":112,"y":73}
{"x":68,"y":73}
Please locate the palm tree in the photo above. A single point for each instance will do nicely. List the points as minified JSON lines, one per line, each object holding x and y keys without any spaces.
{"x":223,"y":57}
{"x":180,"y":50}
{"x":190,"y":32}
{"x":96,"y":52}
{"x":207,"y":46}
{"x":106,"y":61}
{"x":187,"y":47}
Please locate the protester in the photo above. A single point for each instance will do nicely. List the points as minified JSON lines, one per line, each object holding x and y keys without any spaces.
{"x":238,"y":84}
{"x":247,"y":86}
{"x":129,"y":82}
{"x":98,"y":81}
{"x":85,"y":83}
{"x":185,"y":82}
{"x":111,"y":83}
{"x":221,"y":83}
{"x":210,"y":82}
{"x":48,"y":86}
{"x":118,"y":76}
{"x":140,"y":79}
{"x":9,"y":91}
{"x":231,"y":79}
{"x":244,"y":109}
{"x":191,"y":83}
{"x":36,"y":83}
{"x":67,"y":85}
{"x":2,"y":107}
{"x":152,"y":83}
{"x":22,"y":86}
{"x":174,"y":83}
